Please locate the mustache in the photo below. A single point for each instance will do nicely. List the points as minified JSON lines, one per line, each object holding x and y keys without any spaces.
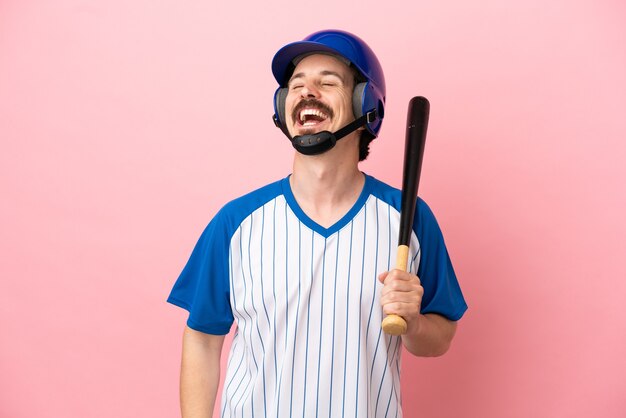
{"x":311,"y":103}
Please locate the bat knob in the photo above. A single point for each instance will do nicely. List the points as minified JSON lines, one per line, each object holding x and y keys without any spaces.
{"x":394,"y":325}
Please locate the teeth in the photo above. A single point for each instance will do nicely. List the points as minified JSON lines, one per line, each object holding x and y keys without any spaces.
{"x":312,"y":112}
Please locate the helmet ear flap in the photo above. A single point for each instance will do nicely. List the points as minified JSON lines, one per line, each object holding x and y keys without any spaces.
{"x":357,"y":100}
{"x":364,"y":100}
{"x":279,"y":106}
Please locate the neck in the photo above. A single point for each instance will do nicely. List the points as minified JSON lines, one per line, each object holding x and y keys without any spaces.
{"x":326,"y":186}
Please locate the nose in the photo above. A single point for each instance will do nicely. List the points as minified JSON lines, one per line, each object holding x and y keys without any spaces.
{"x":309,"y":91}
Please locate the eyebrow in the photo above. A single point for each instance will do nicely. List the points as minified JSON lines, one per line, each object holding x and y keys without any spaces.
{"x":323,"y":73}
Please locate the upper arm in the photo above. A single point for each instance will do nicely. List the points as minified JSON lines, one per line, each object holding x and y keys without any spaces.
{"x":196,"y":342}
{"x":442,"y":293}
{"x":203,"y":287}
{"x":446,"y":326}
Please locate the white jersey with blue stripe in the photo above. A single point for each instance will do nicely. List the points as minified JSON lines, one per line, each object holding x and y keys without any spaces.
{"x":305,"y":300}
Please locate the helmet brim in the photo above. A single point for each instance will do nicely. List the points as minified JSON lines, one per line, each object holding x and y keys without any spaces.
{"x":283,"y":62}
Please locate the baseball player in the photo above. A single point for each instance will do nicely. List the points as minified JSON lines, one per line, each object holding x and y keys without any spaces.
{"x":304,"y":266}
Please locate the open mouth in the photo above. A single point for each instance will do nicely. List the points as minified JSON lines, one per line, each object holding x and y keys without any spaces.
{"x":310,"y":117}
{"x":311,"y":113}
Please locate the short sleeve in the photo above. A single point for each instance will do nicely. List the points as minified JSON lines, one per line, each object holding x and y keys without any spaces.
{"x":442,"y":293}
{"x":203,"y":287}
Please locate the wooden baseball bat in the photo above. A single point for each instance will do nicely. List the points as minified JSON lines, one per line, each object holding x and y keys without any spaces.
{"x":417,"y":124}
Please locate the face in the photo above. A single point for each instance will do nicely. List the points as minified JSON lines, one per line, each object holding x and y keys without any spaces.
{"x":320,"y":96}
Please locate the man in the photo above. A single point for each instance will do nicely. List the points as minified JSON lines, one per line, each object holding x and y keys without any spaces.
{"x":304,"y":265}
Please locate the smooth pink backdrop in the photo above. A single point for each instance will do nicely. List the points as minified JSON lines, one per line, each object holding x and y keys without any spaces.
{"x":125,"y":125}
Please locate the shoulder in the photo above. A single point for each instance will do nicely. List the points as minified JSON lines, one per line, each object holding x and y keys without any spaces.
{"x":384,"y":192}
{"x":234,"y":212}
{"x":393,"y":197}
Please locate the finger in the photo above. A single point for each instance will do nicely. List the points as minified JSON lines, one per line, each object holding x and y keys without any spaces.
{"x":398,"y":286}
{"x":394,"y":282}
{"x":411,"y":296}
{"x":405,"y":310}
{"x":401,"y":275}
{"x":383,"y":276}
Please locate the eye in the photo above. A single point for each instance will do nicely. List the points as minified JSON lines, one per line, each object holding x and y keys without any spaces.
{"x":296,"y":86}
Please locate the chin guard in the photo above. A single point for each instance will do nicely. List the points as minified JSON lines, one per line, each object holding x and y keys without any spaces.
{"x":314,"y":144}
{"x":321,"y":142}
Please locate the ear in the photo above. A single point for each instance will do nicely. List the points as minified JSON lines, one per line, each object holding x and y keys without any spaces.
{"x":279,"y":105}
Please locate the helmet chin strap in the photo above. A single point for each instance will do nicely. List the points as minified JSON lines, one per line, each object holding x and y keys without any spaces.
{"x":321,"y":142}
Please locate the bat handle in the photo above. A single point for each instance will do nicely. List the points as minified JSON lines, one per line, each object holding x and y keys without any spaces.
{"x":395,"y":324}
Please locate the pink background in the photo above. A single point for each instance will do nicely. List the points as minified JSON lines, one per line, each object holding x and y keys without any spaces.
{"x":125,"y":125}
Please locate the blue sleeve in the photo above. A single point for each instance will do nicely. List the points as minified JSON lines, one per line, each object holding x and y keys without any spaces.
{"x":442,"y":293}
{"x":203,"y":287}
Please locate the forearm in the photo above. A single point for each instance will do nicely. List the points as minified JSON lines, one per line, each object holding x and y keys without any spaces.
{"x":200,"y":373}
{"x":429,"y":335}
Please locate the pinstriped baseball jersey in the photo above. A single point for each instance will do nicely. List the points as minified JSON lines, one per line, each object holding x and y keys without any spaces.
{"x":305,"y":300}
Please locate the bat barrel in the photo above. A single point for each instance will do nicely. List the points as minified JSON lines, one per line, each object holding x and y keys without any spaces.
{"x":417,"y":124}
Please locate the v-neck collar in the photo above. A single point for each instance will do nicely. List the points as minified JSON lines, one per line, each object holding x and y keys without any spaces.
{"x":345,"y":219}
